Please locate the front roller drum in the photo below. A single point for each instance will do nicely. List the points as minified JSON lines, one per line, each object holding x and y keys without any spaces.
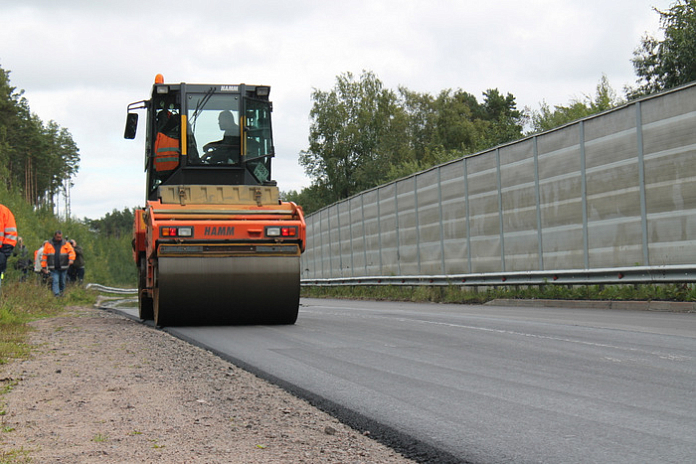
{"x":227,"y":290}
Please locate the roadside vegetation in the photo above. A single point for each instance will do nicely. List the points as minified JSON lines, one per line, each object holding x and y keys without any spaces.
{"x":481,"y":295}
{"x":106,"y":242}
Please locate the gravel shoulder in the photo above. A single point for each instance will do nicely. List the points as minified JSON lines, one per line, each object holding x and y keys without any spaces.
{"x":102,"y":388}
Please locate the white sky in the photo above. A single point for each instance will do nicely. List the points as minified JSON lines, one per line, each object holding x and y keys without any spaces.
{"x":81,"y":62}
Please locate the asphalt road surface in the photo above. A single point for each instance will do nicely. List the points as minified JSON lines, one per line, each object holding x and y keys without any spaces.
{"x":482,"y":384}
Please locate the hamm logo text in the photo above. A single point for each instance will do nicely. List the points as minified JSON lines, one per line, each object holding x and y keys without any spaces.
{"x":220,"y":230}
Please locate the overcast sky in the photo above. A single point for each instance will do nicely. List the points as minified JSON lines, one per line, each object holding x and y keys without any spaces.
{"x":81,"y":62}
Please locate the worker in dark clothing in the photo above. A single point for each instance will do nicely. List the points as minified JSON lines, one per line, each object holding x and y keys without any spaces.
{"x":76,"y":271}
{"x":225,"y":150}
{"x":24,"y":262}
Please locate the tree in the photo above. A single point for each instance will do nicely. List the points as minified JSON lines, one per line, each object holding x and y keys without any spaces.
{"x":454,"y":123}
{"x":662,"y":65}
{"x":36,"y":159}
{"x":348,"y":134}
{"x":9,"y":118}
{"x":114,"y":224}
{"x":456,"y":126}
{"x":362,"y":135}
{"x":505,"y":119}
{"x":310,"y":198}
{"x":547,"y":119}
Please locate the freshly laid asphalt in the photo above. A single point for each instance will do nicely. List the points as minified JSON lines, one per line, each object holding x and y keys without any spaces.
{"x":492,"y":383}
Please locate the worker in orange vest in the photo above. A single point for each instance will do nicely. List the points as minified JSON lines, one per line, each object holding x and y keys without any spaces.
{"x":58,"y":255}
{"x":8,"y":237}
{"x":167,"y":149}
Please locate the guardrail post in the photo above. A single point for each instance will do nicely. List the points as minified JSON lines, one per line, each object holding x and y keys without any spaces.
{"x":641,"y":182}
{"x":443,"y":269}
{"x":396,"y":222}
{"x":415,"y":210}
{"x":468,"y":215}
{"x":340,"y":240}
{"x":500,"y":210}
{"x":350,"y":235}
{"x":330,"y":243}
{"x":364,"y":235}
{"x":537,"y":194}
{"x":379,"y":230}
{"x":583,"y":194}
{"x":321,"y":242}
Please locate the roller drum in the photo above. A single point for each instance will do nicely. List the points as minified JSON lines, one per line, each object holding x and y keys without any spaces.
{"x":227,"y":290}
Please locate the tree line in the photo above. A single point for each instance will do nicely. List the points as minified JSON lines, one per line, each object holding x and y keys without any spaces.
{"x":363,"y":134}
{"x":37,"y":158}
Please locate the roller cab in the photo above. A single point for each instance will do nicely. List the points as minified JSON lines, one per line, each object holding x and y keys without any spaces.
{"x":214,"y":244}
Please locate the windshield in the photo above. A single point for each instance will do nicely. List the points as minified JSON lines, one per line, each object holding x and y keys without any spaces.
{"x":213,"y":129}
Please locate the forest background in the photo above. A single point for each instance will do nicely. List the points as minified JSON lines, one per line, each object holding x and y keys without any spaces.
{"x":361,"y":135}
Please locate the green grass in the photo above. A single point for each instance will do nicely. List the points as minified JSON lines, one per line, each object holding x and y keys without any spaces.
{"x":100,"y":438}
{"x":480,"y":295}
{"x":14,"y":456}
{"x":21,"y":303}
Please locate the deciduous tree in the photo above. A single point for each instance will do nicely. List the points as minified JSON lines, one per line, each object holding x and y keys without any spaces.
{"x":363,"y":134}
{"x":347,"y":136}
{"x":547,"y":118}
{"x":664,"y":64}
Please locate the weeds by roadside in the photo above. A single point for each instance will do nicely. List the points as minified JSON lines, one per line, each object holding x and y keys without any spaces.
{"x":15,"y":456}
{"x":480,"y":295}
{"x":21,"y":303}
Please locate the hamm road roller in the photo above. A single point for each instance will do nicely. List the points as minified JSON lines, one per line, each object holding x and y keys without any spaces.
{"x":214,"y":244}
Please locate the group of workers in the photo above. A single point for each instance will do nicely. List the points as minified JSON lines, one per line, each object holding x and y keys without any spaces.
{"x":58,"y":259}
{"x":62,"y":260}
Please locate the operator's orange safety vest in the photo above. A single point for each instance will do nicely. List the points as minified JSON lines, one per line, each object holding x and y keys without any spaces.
{"x":63,"y":255}
{"x":166,"y":152}
{"x":8,"y":227}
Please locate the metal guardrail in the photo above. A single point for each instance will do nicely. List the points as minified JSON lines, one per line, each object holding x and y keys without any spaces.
{"x":118,"y":291}
{"x":612,"y":276}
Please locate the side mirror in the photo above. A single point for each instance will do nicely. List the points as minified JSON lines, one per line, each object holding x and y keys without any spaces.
{"x":131,"y":125}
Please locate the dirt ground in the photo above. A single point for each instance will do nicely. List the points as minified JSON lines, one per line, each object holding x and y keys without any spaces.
{"x":102,"y":388}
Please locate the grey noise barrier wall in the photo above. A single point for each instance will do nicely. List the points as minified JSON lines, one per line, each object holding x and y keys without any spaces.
{"x":607,"y":197}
